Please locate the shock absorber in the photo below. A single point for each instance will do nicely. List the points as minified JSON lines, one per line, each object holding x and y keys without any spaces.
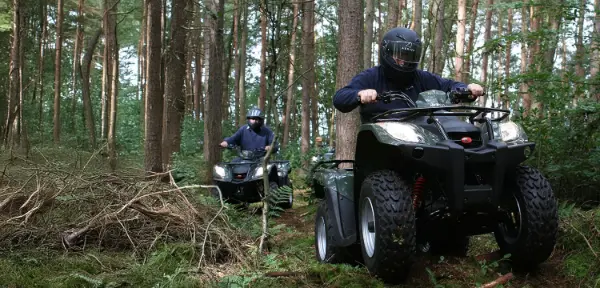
{"x":418,"y":188}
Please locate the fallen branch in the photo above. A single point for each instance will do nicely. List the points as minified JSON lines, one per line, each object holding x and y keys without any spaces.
{"x":210,"y":222}
{"x":282,"y":274}
{"x":500,"y":280}
{"x":584,"y":238}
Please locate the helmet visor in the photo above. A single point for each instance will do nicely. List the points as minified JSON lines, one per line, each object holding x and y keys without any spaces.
{"x":403,"y":52}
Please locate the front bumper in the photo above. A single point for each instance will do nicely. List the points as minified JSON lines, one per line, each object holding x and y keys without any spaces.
{"x":493,"y":160}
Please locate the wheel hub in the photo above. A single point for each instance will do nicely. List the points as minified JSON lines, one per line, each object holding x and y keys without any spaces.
{"x":368,"y":227}
{"x":512,"y":223}
{"x":322,"y":238}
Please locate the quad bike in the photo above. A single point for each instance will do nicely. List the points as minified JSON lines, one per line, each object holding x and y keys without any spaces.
{"x":423,"y":180}
{"x":241,"y":180}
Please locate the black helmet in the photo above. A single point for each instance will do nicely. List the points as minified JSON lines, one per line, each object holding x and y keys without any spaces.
{"x":400,"y":51}
{"x":255,"y":113}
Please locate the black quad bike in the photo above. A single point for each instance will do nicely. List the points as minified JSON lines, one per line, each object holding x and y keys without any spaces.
{"x":424,"y":180}
{"x":241,"y":180}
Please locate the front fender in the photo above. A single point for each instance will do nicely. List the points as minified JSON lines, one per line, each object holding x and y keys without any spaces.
{"x":397,"y":133}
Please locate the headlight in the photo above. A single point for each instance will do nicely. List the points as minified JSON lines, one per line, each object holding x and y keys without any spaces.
{"x":409,"y":133}
{"x":314,"y":160}
{"x":220,"y":172}
{"x":259,"y":172}
{"x":512,"y":132}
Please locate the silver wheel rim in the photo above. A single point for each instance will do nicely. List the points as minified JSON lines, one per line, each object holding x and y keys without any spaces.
{"x":509,"y":236}
{"x":322,"y":238}
{"x":368,"y":235}
{"x":291,"y":198}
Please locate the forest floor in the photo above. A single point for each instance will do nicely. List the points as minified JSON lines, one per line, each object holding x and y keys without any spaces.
{"x":138,"y":233}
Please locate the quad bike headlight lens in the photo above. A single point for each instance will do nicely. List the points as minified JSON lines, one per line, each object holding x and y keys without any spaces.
{"x":259,"y":172}
{"x":409,"y":133}
{"x":220,"y":172}
{"x":513,"y":133}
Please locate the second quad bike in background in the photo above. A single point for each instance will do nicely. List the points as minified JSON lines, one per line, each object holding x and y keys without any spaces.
{"x":241,"y":180}
{"x":425,"y":180}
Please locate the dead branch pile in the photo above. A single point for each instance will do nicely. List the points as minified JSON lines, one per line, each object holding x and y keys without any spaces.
{"x":55,"y":206}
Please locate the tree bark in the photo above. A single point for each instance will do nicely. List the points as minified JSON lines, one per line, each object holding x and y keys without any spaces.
{"x":349,"y":64}
{"x":13,"y":77}
{"x":369,"y":17}
{"x":263,"y":56}
{"x":486,"y":37}
{"x":460,"y":41}
{"x":176,"y":67}
{"x":471,"y":40}
{"x":57,"y":69}
{"x":42,"y":49}
{"x":243,"y":41}
{"x":438,"y":48}
{"x":212,"y":121}
{"x":308,"y":79}
{"x":236,"y":61}
{"x":199,"y":58}
{"x":114,"y":82}
{"x":85,"y":84}
{"x":291,"y":91}
{"x":154,"y":101}
{"x":76,"y":58}
{"x":417,"y":16}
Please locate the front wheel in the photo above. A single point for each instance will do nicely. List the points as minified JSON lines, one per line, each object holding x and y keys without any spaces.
{"x":387,"y":226}
{"x":530,"y":225}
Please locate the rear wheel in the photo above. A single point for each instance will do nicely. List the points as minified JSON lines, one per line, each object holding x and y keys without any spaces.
{"x":387,"y":226}
{"x":530,"y":224}
{"x":290,"y":198}
{"x":325,"y":251}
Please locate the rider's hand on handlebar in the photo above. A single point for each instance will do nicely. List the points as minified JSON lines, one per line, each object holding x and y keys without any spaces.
{"x":475,"y":89}
{"x":224,"y":144}
{"x":267,"y":148}
{"x":367,"y":96}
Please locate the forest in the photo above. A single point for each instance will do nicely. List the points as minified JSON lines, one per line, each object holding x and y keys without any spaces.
{"x":112,"y":112}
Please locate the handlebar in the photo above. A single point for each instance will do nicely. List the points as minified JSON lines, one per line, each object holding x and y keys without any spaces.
{"x":460,"y":95}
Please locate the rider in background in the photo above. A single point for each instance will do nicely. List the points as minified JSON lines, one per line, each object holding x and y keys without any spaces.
{"x":399,"y":55}
{"x":254,"y":135}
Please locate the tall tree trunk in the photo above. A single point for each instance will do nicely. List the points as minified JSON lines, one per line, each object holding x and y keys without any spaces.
{"x":417,"y":16}
{"x":369,"y":17}
{"x":263,"y":55}
{"x":57,"y":66}
{"x":438,"y":47}
{"x":113,"y":51}
{"x":242,"y":84}
{"x":212,"y":119}
{"x":392,"y":20}
{"x":486,"y":37}
{"x":142,"y":48}
{"x":76,"y":58}
{"x":507,"y":57}
{"x":225,"y":99}
{"x":580,"y":52}
{"x":349,"y":64}
{"x":595,"y":52}
{"x":85,"y":91}
{"x":467,"y":68}
{"x":199,"y":57}
{"x":524,"y":87}
{"x":236,"y":61}
{"x":154,"y":101}
{"x":291,"y":91}
{"x":40,"y":75}
{"x":308,"y":84}
{"x":460,"y":41}
{"x":174,"y":96}
{"x":311,"y":75}
{"x":14,"y":73}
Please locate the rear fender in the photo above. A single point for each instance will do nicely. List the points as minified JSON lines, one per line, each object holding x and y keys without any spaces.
{"x":339,"y":196}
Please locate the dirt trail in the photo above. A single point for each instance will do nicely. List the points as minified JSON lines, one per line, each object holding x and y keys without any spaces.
{"x":449,"y":272}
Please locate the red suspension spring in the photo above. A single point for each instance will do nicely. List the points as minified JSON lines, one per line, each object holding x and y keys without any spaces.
{"x":418,"y":188}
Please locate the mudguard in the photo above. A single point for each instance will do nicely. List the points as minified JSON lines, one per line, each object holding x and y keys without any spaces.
{"x":338,"y":191}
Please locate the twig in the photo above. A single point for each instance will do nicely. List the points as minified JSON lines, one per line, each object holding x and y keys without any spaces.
{"x":210,"y":222}
{"x":501,"y":280}
{"x":584,"y":238}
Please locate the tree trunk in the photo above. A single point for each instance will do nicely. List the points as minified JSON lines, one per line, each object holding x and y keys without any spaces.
{"x":580,"y":52}
{"x":370,"y":16}
{"x":242,"y":85}
{"x":263,"y":56}
{"x":467,"y":68}
{"x":225,"y":99}
{"x":507,"y":57}
{"x":291,"y":91}
{"x":312,"y":78}
{"x":14,"y":73}
{"x":142,"y":48}
{"x":348,"y":65}
{"x":308,"y":83}
{"x":460,"y":41}
{"x":40,"y":75}
{"x":212,"y":119}
{"x":113,"y":51}
{"x":199,"y":57}
{"x":438,"y":47}
{"x":392,"y":20}
{"x":85,"y":84}
{"x":174,"y":96}
{"x":76,"y":58}
{"x":57,"y":66}
{"x":596,"y":53}
{"x":154,"y":101}
{"x":417,"y":16}
{"x":236,"y":61}
{"x":486,"y":37}
{"x":524,"y":88}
